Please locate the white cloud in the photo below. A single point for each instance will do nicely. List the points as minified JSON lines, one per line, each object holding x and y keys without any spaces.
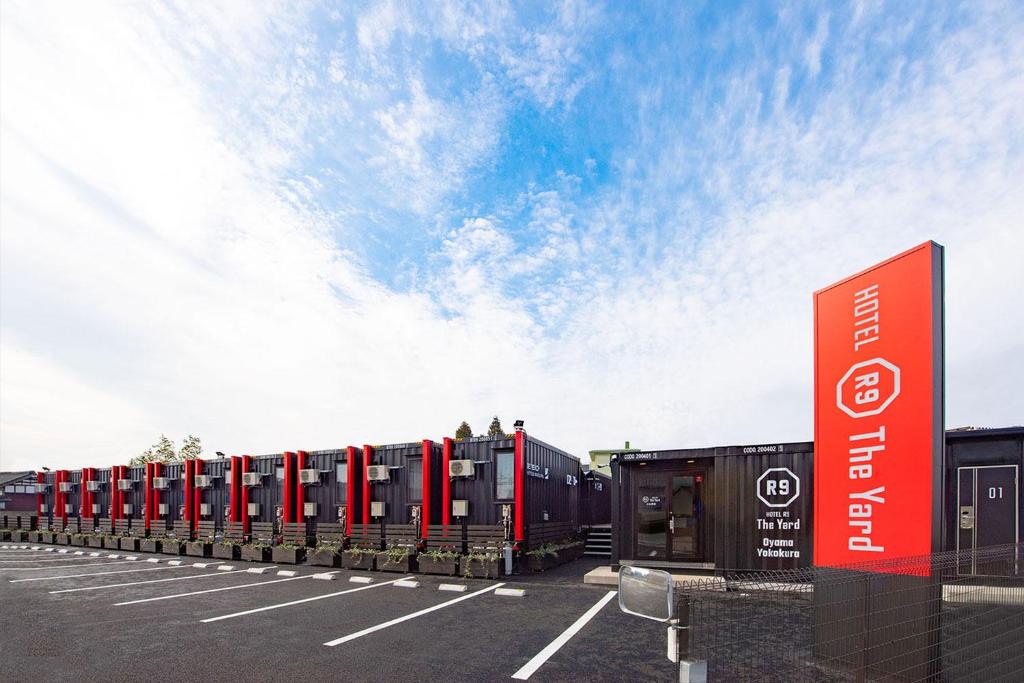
{"x":167,"y":269}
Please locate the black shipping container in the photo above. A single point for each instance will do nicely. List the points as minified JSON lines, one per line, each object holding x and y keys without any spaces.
{"x":735,"y":507}
{"x":408,"y":486}
{"x":595,"y":499}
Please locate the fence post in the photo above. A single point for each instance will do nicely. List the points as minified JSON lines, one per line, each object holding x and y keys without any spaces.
{"x":690,"y":670}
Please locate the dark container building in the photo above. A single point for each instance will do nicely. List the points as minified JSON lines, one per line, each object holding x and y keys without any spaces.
{"x":751,"y":507}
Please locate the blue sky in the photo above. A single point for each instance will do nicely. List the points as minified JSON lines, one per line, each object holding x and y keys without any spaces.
{"x":307,"y":225}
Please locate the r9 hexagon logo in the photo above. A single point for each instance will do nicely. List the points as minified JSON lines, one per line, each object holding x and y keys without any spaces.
{"x":778,"y":487}
{"x":868,"y":388}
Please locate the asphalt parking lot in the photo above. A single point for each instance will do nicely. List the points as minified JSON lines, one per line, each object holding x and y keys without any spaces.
{"x":73,"y":617}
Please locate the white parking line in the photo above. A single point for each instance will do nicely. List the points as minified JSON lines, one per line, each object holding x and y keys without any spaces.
{"x":213,"y":590}
{"x":297,"y":602}
{"x":140,"y":583}
{"x":63,"y":566}
{"x":555,"y":645}
{"x":55,"y":559}
{"x":78,"y":576}
{"x":399,"y":620}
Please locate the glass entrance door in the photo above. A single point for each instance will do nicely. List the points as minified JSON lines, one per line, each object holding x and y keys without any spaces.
{"x":651,"y":518}
{"x":669,"y":516}
{"x":685,"y":518}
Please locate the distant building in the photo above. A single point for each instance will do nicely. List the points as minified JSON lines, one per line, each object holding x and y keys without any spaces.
{"x":18,"y":491}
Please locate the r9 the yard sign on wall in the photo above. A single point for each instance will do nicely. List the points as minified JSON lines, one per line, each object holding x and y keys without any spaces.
{"x":878,"y":411}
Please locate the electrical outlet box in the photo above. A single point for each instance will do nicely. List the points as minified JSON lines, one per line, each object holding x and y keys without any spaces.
{"x":309,"y":509}
{"x":204,"y":509}
{"x":162,"y":509}
{"x":460,"y":508}
{"x":128,"y":508}
{"x":96,"y":508}
{"x":254,"y":509}
{"x":377,"y":508}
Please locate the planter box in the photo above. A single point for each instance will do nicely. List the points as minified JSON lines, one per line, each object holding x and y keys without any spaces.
{"x":61,"y":539}
{"x":324,"y":557}
{"x":128,"y":543}
{"x":364,"y":561}
{"x":172,"y":546}
{"x":429,"y":565}
{"x":47,"y":537}
{"x":95,"y":542}
{"x":150,"y":545}
{"x":227,"y":551}
{"x":480,"y":569}
{"x":199,"y":549}
{"x":5,"y":535}
{"x":35,"y":537}
{"x":79,"y":541}
{"x":539,"y":563}
{"x":288,"y":555}
{"x":22,"y":535}
{"x":255,"y":554}
{"x":405,"y":565}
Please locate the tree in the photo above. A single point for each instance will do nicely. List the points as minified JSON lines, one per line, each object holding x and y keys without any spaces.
{"x":495,"y":428}
{"x":163,"y":451}
{"x":464,"y":431}
{"x":191,"y":449}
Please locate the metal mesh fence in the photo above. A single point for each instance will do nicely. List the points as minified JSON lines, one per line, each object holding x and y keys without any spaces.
{"x":943,"y":617}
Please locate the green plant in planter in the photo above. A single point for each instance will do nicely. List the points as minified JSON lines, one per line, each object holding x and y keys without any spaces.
{"x":480,"y":558}
{"x":546,"y":549}
{"x":358,"y":552}
{"x":290,"y":546}
{"x":441,"y":555}
{"x":396,"y":553}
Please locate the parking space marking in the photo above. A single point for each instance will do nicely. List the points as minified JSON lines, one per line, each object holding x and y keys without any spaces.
{"x":555,"y":645}
{"x":298,"y":602}
{"x":78,"y":576}
{"x":399,"y":620}
{"x":55,"y":559}
{"x":63,"y":566}
{"x":213,"y":590}
{"x":140,"y":583}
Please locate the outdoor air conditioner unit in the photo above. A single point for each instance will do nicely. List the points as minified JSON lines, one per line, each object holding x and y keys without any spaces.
{"x":124,"y":484}
{"x":252,"y":479}
{"x":204,"y":508}
{"x":378,"y":473}
{"x":128,"y":508}
{"x":96,"y":507}
{"x":460,"y":468}
{"x":309,"y":509}
{"x":161,"y":509}
{"x":309,"y":476}
{"x":160,"y":483}
{"x":92,"y":485}
{"x":377,"y":508}
{"x":65,"y":487}
{"x":203,"y":481}
{"x":69,"y":509}
{"x":254,"y":509}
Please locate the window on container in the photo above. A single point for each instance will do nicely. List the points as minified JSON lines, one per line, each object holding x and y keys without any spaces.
{"x":505,"y":477}
{"x":279,"y":474}
{"x":342,"y":468}
{"x":415,"y":469}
